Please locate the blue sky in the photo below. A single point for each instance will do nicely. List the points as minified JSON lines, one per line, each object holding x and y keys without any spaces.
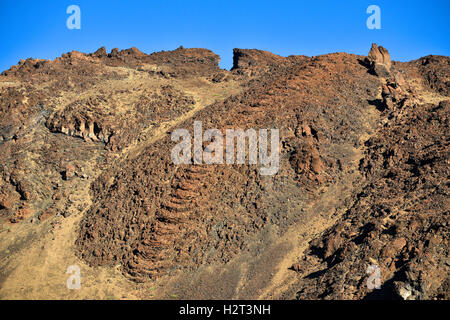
{"x":37,"y":29}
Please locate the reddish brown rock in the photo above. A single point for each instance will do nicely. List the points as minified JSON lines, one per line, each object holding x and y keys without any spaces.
{"x":5,"y":201}
{"x":379,"y":54}
{"x":380,"y":61}
{"x":363,"y":176}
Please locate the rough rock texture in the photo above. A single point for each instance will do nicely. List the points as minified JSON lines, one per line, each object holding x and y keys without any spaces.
{"x":399,"y":218}
{"x":379,"y":54}
{"x":379,"y":61}
{"x":363,"y":175}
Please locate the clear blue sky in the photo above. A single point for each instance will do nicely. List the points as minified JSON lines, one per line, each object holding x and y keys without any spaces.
{"x":37,"y":29}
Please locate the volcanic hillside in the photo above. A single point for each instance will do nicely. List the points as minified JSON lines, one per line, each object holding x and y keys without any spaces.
{"x":86,"y":177}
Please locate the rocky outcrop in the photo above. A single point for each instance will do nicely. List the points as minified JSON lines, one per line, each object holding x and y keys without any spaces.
{"x":254,"y":62}
{"x":100,"y":53}
{"x":245,"y":58}
{"x":7,"y":198}
{"x":379,"y":54}
{"x":82,"y":128}
{"x":379,"y":60}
